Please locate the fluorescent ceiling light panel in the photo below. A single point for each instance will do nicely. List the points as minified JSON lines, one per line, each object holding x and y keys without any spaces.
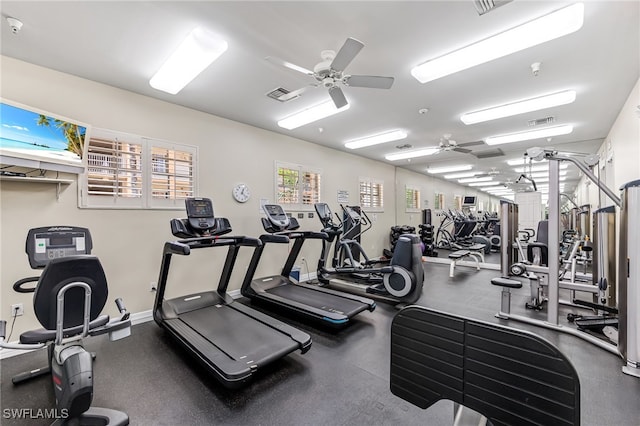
{"x":460,"y":175}
{"x":196,"y":53}
{"x":311,"y":114}
{"x":546,"y":174}
{"x":538,"y":168}
{"x":412,"y":154}
{"x":478,"y":179}
{"x":449,"y":169}
{"x":523,"y":162}
{"x":548,"y":27}
{"x":529,"y":135}
{"x":484,"y":184}
{"x":520,"y":107}
{"x":376,"y":139}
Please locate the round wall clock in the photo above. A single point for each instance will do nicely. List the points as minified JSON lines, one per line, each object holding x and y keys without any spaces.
{"x":241,"y":193}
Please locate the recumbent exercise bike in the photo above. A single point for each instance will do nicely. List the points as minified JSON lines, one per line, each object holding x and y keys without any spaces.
{"x":68,"y":299}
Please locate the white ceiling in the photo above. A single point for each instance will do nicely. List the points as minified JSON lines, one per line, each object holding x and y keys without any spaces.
{"x":122,"y":44}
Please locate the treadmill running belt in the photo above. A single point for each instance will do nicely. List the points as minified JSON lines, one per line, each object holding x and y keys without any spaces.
{"x":238,"y":335}
{"x":318,"y":299}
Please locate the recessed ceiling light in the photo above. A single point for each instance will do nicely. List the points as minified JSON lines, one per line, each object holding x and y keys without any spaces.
{"x":376,"y":139}
{"x":520,"y":107}
{"x":311,"y":114}
{"x":548,"y":27}
{"x":449,"y":169}
{"x":194,"y":54}
{"x":530,"y":135}
{"x":411,"y":154}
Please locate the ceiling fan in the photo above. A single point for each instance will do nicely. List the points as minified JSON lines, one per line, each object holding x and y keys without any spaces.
{"x":447,"y":144}
{"x":330,"y":73}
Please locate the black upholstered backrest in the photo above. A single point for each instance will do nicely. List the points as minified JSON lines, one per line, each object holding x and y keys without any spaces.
{"x":542,"y":235}
{"x":510,"y":376}
{"x":60,"y":272}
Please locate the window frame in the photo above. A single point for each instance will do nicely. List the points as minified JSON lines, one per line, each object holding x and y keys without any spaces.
{"x":415,"y":199}
{"x":148,"y":163}
{"x":301,"y":169}
{"x":370,"y":183}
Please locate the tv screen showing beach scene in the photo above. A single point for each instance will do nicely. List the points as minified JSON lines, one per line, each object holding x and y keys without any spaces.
{"x":28,"y":133}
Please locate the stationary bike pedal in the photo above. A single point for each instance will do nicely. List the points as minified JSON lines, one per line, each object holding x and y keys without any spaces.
{"x":534,"y":307}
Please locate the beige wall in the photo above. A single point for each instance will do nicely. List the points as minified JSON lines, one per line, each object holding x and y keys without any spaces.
{"x":129,"y":242}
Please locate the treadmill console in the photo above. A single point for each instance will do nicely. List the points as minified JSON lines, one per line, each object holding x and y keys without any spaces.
{"x":200,"y":213}
{"x":277,"y":220}
{"x":200,"y":221}
{"x":47,"y":243}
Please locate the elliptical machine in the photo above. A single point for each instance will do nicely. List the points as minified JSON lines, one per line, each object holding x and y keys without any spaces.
{"x":68,"y":299}
{"x":398,"y":282}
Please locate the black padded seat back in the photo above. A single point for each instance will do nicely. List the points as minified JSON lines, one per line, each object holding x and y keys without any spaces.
{"x":510,"y":376}
{"x":408,"y":254}
{"x":542,"y":235}
{"x":60,"y":272}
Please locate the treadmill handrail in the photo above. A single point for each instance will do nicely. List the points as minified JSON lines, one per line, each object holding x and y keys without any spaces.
{"x":212,"y":241}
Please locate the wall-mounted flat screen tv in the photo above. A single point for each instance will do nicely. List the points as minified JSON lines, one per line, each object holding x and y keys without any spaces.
{"x":469,"y":201}
{"x":30,"y":134}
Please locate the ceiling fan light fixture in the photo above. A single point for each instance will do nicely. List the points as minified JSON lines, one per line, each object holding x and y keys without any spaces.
{"x":411,"y":154}
{"x":520,"y":107}
{"x":478,"y":179}
{"x":393,"y":135}
{"x":311,"y":114}
{"x":547,"y":27}
{"x":196,"y":52}
{"x":450,"y":169}
{"x":530,"y":135}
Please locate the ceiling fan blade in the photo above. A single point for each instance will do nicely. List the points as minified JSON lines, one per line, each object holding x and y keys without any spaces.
{"x":338,"y":97}
{"x":281,"y":62}
{"x":463,"y":150}
{"x":372,"y":81}
{"x":474,"y":143}
{"x":347,"y":52}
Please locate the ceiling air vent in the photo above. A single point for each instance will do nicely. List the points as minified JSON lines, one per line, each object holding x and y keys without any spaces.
{"x":278,"y":92}
{"x":489,"y":153}
{"x":541,"y":121}
{"x":485,"y":6}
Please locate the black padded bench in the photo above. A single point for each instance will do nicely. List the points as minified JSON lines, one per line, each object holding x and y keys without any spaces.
{"x":505,"y":300}
{"x":456,"y":256}
{"x":512,"y":377}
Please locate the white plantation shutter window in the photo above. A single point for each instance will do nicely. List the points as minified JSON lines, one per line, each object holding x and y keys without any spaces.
{"x":129,"y":171}
{"x":412,"y":199}
{"x":172,"y":178}
{"x":297,"y":186}
{"x":371,"y":194}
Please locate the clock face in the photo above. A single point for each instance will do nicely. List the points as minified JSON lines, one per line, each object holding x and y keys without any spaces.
{"x":241,"y":193}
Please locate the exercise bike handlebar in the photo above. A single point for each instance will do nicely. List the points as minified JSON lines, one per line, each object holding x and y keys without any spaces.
{"x":22,"y":346}
{"x":18,"y":286}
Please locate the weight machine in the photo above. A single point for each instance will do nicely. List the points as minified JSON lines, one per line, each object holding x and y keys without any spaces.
{"x":628,"y":282}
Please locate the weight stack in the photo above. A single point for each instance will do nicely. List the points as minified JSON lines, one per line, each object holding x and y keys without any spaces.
{"x":396,"y":231}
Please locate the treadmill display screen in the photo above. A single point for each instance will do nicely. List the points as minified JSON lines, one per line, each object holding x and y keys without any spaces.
{"x":274,"y":211}
{"x":201,"y":207}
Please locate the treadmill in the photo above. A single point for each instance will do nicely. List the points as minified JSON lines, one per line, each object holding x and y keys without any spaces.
{"x":326,"y":306}
{"x":229,"y":339}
